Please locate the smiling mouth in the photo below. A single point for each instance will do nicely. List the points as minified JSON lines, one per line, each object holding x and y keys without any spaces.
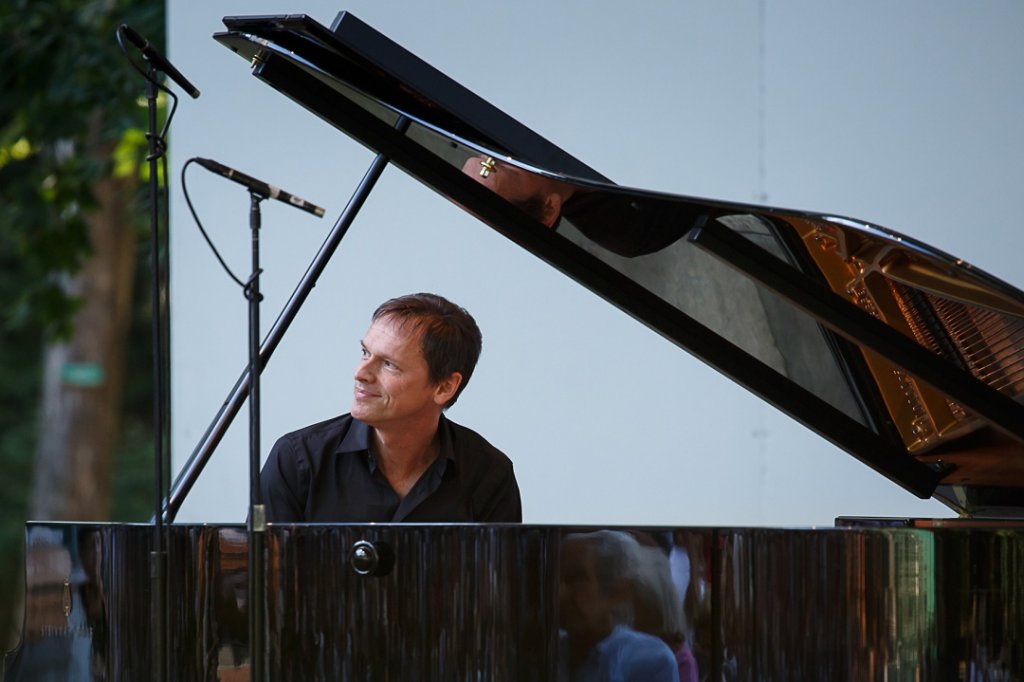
{"x":362,"y":393}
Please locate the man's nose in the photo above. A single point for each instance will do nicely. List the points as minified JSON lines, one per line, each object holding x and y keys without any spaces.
{"x":363,"y":371}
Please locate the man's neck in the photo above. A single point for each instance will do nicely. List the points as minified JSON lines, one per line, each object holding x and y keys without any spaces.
{"x":404,"y":454}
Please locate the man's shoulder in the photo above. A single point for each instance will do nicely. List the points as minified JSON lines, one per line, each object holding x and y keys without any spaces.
{"x":466,"y":440}
{"x":486,"y":475}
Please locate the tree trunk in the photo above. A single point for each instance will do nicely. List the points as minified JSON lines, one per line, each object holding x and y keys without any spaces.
{"x":82,"y":382}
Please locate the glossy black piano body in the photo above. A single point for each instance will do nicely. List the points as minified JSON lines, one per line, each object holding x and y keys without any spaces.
{"x":905,"y":357}
{"x":465,"y":603}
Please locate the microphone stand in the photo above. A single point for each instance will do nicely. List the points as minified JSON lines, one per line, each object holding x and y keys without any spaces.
{"x":158,"y":555}
{"x":257,"y":513}
{"x":160,"y":620}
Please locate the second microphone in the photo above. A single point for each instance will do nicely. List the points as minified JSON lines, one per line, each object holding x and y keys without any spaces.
{"x":258,"y":186}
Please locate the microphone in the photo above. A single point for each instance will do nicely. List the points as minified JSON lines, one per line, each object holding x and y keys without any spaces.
{"x":158,"y":60}
{"x":258,"y":186}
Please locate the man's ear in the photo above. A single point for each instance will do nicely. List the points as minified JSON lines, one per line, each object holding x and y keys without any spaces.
{"x":552,"y":209}
{"x":447,"y":387}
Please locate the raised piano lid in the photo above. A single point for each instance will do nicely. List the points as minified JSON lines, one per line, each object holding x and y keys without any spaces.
{"x":905,"y":357}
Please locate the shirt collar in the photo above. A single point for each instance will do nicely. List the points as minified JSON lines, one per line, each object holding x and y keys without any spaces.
{"x":447,"y":453}
{"x":357,"y":439}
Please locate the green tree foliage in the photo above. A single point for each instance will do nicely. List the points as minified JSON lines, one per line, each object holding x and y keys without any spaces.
{"x":63,"y":80}
{"x":67,"y":90}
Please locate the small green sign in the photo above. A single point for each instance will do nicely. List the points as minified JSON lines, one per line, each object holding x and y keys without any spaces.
{"x":84,"y":374}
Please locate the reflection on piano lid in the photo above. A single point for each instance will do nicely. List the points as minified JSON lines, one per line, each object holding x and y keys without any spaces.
{"x":907,"y":358}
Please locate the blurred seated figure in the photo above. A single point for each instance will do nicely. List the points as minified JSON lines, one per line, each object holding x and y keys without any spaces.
{"x":659,"y":610}
{"x":596,"y":612}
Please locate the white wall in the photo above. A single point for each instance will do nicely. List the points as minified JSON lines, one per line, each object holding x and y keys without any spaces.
{"x":906,"y":114}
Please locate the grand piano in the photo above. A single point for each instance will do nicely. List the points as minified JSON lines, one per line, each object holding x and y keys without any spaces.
{"x":907,"y":358}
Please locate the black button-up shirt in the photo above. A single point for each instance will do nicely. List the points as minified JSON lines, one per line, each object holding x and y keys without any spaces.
{"x":325,"y":473}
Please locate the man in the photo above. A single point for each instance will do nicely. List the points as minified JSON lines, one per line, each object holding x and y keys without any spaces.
{"x":395,"y":456}
{"x":538,"y":196}
{"x":615,"y":220}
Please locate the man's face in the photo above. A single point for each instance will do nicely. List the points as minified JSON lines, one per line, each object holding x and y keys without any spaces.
{"x":540,"y":197}
{"x":392,"y":380}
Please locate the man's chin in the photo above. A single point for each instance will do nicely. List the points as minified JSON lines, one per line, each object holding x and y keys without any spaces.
{"x":362,"y":413}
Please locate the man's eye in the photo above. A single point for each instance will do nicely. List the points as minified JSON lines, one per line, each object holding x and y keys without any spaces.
{"x":388,"y":363}
{"x":365,"y":353}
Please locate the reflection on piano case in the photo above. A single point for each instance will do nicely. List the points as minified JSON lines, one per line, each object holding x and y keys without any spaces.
{"x":908,"y":359}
